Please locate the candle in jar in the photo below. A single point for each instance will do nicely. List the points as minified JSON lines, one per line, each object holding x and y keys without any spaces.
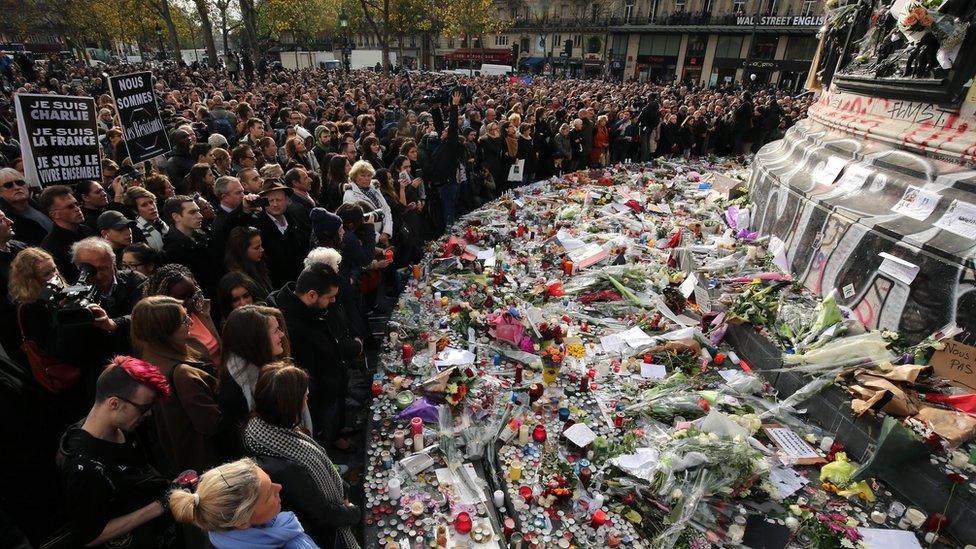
{"x":515,"y":471}
{"x":418,"y":442}
{"x":393,"y":488}
{"x":523,"y":434}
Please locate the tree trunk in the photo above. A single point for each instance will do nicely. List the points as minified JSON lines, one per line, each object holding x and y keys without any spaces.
{"x":207,"y":27}
{"x":386,"y":36}
{"x":223,"y":24}
{"x":249,"y":17}
{"x":161,"y":7}
{"x":401,"y":50}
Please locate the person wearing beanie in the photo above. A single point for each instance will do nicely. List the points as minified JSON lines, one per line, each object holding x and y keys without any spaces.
{"x":326,"y":227}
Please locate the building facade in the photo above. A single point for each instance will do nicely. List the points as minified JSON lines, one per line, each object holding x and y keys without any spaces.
{"x":705,"y":42}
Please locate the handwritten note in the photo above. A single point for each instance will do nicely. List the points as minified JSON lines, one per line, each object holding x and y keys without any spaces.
{"x":960,"y":219}
{"x":898,"y":268}
{"x":917,"y":203}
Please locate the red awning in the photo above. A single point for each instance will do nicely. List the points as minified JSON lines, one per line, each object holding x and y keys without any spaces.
{"x":475,"y":54}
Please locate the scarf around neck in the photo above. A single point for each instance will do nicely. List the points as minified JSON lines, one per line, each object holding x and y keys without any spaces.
{"x":262,"y":438}
{"x":284,"y":531}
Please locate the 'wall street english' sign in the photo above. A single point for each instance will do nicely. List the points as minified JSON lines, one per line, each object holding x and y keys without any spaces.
{"x":142,"y":127}
{"x":786,"y":21}
{"x":59,"y":138}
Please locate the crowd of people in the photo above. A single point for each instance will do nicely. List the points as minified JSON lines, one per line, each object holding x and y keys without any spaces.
{"x":180,"y":334}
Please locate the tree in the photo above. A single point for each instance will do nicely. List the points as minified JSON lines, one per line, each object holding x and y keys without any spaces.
{"x":203,"y":10}
{"x":471,"y":18}
{"x":249,"y":18}
{"x":226,"y":25}
{"x":161,"y":7}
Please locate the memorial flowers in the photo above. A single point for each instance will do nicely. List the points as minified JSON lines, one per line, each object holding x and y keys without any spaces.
{"x":916,"y":19}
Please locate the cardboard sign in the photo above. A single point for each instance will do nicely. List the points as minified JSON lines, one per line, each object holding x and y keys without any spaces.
{"x":145,"y":135}
{"x":957,"y":362}
{"x":59,"y":138}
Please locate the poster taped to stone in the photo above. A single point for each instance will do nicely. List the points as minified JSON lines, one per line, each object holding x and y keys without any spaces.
{"x":917,"y":203}
{"x":142,"y":126}
{"x":59,"y":138}
{"x":960,"y":219}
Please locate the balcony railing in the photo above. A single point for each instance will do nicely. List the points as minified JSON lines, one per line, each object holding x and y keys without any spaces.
{"x":674,"y":19}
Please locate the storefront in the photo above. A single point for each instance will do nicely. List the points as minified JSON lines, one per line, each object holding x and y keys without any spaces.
{"x":656,"y":68}
{"x":474,"y":57}
{"x":593,"y":65}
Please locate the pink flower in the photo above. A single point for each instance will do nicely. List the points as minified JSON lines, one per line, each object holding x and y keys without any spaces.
{"x":835,"y":527}
{"x":852,"y":534}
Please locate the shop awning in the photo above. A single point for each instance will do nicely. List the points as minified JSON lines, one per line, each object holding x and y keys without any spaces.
{"x":532,"y":61}
{"x":503,"y":56}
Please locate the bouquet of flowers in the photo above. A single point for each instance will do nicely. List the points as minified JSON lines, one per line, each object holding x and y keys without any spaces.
{"x":459,"y":383}
{"x":552,"y":360}
{"x":828,"y":530}
{"x":916,"y":19}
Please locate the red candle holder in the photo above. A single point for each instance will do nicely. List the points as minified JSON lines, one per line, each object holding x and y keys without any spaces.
{"x":407,"y":350}
{"x":539,"y":433}
{"x":377,"y":388}
{"x":525,"y":492}
{"x":462,"y":524}
{"x":416,"y":426}
{"x":599,"y":519}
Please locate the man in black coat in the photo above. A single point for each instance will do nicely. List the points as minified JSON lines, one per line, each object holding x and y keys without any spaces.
{"x":286,"y":237}
{"x":588,"y":131}
{"x":446,"y":160}
{"x":742,"y":124}
{"x":60,"y":204}
{"x":180,"y":160}
{"x":315,"y":347}
{"x":185,"y":243}
{"x":31,"y":225}
{"x":647,"y":121}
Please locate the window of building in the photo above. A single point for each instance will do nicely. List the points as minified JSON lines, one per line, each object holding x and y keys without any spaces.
{"x":728,"y":47}
{"x":659,"y":44}
{"x":808,"y":7}
{"x":524,"y":45}
{"x":501,"y":40}
{"x":450,"y":42}
{"x":413,"y":41}
{"x":801,"y":48}
{"x":578,"y":41}
{"x":696,"y":45}
{"x":679,"y":6}
{"x":595,"y":11}
{"x":771,"y":6}
{"x":707,"y":6}
{"x":593,"y":45}
{"x":628,"y":11}
{"x":764,"y":47}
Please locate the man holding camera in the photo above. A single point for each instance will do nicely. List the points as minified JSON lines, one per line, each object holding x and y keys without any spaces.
{"x":286,"y":238}
{"x":60,"y":204}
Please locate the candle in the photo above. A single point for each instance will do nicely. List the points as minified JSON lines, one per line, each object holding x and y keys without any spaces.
{"x":518,"y":374}
{"x":398,"y":438}
{"x":539,"y":433}
{"x":499,"y":498}
{"x":597,"y":501}
{"x":515,"y":471}
{"x":393,"y":488}
{"x":599,"y":518}
{"x":959,"y":459}
{"x":462,"y":523}
{"x":878,"y":517}
{"x":915,"y":517}
{"x":418,"y":442}
{"x":416,"y":426}
{"x":523,"y":434}
{"x":407,"y":351}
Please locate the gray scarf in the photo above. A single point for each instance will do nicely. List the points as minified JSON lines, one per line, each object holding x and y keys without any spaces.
{"x":265,"y":439}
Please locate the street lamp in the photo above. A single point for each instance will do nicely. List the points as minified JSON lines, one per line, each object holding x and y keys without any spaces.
{"x":159,"y":38}
{"x":344,"y":24}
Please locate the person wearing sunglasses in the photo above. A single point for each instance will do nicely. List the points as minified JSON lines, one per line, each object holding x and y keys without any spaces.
{"x":64,"y":209}
{"x":192,"y":431}
{"x":113,"y":495}
{"x":31,"y":225}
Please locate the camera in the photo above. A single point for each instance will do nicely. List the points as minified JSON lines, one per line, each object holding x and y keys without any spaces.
{"x":71,"y":303}
{"x":374,"y":216}
{"x":443,"y":95}
{"x":259,"y":202}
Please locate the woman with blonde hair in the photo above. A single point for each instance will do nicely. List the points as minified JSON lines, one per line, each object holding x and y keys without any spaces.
{"x":238,"y":506}
{"x":362,"y":189}
{"x":601,"y":140}
{"x":190,"y":424}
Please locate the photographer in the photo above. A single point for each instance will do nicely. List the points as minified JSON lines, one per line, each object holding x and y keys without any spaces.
{"x":446,"y":159}
{"x":115,"y":497}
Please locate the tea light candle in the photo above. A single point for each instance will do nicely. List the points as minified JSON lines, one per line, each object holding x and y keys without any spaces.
{"x":959,"y":459}
{"x":878,"y":517}
{"x":523,"y":434}
{"x":499,"y":498}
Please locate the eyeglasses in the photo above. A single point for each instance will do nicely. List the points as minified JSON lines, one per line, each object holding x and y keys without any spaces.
{"x":72,"y":206}
{"x":132,"y":265}
{"x":16,"y":182}
{"x":142,"y":408}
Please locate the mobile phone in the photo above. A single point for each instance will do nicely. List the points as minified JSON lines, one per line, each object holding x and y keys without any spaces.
{"x":259,"y":202}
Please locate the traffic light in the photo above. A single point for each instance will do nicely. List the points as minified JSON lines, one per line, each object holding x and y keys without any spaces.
{"x":568,"y":48}
{"x":515,"y":51}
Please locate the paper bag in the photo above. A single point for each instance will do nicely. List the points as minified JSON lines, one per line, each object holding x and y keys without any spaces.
{"x":515,"y":172}
{"x":955,"y":427}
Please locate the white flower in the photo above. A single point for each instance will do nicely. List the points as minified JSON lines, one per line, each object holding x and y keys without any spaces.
{"x":844,"y":542}
{"x":792,"y":522}
{"x":677,"y":494}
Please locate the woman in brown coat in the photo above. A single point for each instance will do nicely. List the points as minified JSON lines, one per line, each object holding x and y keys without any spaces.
{"x":601,"y":140}
{"x":190,"y":423}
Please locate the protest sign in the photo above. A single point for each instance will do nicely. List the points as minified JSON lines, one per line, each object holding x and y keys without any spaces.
{"x":59,"y":138}
{"x":142,"y":127}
